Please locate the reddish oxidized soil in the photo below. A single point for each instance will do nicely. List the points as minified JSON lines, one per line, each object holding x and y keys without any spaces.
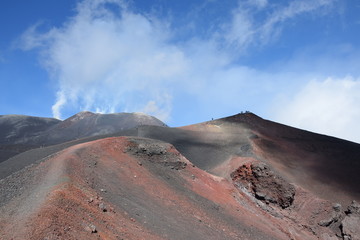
{"x":102,"y":190}
{"x":255,"y":187}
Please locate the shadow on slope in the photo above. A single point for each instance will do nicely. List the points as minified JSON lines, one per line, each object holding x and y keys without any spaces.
{"x":21,"y":133}
{"x":130,"y":188}
{"x":326,"y":165}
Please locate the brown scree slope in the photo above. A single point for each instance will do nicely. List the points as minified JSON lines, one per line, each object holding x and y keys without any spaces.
{"x":240,"y":177}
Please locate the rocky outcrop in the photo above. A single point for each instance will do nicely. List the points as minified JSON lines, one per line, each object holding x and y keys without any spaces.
{"x":155,"y":151}
{"x":348,"y":221}
{"x":264,"y":184}
{"x":350,"y":225}
{"x":335,"y":216}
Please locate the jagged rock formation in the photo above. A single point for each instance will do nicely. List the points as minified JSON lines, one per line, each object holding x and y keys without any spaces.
{"x":264,"y":184}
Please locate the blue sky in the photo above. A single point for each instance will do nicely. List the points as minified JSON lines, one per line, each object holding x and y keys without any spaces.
{"x":296,"y":62}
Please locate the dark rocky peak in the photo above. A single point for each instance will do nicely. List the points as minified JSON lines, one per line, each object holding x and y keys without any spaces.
{"x":80,"y":116}
{"x":19,"y":128}
{"x":87,"y":124}
{"x":246,"y":117}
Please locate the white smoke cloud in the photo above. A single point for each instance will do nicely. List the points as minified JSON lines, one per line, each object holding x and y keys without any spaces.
{"x":329,"y":106}
{"x":160,"y":107}
{"x":100,"y":56}
{"x":108,"y":60}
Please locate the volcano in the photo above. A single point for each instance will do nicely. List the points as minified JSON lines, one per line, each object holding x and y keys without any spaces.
{"x":130,"y":176}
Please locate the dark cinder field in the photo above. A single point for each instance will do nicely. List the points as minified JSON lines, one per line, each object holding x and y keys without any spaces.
{"x":241,"y":177}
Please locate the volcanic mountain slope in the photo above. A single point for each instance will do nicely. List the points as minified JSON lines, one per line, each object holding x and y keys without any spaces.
{"x":15,"y":130}
{"x":327,"y":166}
{"x":20,"y":133}
{"x":126,"y":188}
{"x":86,"y":124}
{"x":240,"y":177}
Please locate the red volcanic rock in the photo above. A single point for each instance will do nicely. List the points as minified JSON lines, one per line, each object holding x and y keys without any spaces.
{"x":168,"y":199}
{"x":241,"y":177}
{"x":264,"y":184}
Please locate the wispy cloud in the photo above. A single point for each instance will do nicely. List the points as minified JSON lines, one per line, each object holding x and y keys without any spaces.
{"x":108,"y":58}
{"x":101,"y":57}
{"x":245,"y":29}
{"x":31,"y":38}
{"x":259,"y":3}
{"x":276,"y":20}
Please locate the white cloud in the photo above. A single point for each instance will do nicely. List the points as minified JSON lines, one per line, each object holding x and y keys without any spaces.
{"x":60,"y":101}
{"x":161,"y":107}
{"x":31,"y":38}
{"x":117,"y":60}
{"x":99,"y":58}
{"x":259,"y":3}
{"x":245,"y":29}
{"x":294,"y":9}
{"x":240,"y":32}
{"x":330,"y":106}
